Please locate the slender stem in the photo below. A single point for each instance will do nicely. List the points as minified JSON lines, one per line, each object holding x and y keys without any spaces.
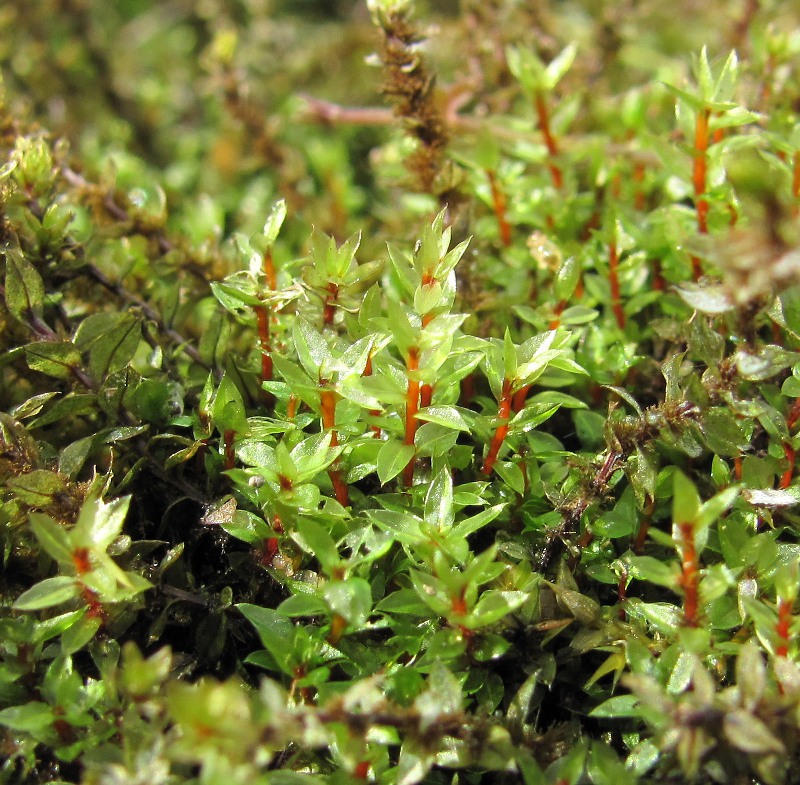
{"x":782,"y":627}
{"x":327,"y":400}
{"x":518,"y":401}
{"x":262,"y":319}
{"x":503,"y":416}
{"x":613,"y":275}
{"x":790,"y":455}
{"x":557,"y":311}
{"x":412,"y":407}
{"x":230,"y":455}
{"x":639,"y":197}
{"x":690,"y":575}
{"x":622,"y":593}
{"x":330,"y":303}
{"x":543,"y":115}
{"x":699,"y":172}
{"x":499,"y":206}
{"x":374,"y":412}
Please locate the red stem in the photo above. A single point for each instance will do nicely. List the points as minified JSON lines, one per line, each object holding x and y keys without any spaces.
{"x":412,"y":407}
{"x":639,"y":199}
{"x":699,"y":171}
{"x":782,"y":627}
{"x":690,"y":575}
{"x":557,"y":311}
{"x":503,"y":415}
{"x":262,"y":317}
{"x":786,"y":477}
{"x":499,"y":205}
{"x":518,"y":401}
{"x":543,"y":115}
{"x":230,"y":455}
{"x":329,"y":305}
{"x":374,"y":412}
{"x":327,"y":401}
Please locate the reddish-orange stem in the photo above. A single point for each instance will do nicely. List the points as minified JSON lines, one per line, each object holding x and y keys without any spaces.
{"x":557,"y":311}
{"x":782,"y":627}
{"x":737,"y":468}
{"x":639,"y":198}
{"x":425,"y":395}
{"x":659,"y":284}
{"x":613,"y":276}
{"x":690,"y":576}
{"x":699,"y":180}
{"x":330,"y":303}
{"x":291,"y":407}
{"x":794,"y":415}
{"x":262,"y":318}
{"x":268,"y":266}
{"x":786,"y":477}
{"x":467,"y":390}
{"x":412,"y":407}
{"x":230,"y":455}
{"x":499,"y":206}
{"x":361,"y":771}
{"x":503,"y":415}
{"x":543,"y":115}
{"x":374,"y":412}
{"x":327,"y":402}
{"x":518,"y":401}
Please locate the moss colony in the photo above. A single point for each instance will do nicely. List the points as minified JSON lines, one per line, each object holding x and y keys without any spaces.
{"x":399,"y":393}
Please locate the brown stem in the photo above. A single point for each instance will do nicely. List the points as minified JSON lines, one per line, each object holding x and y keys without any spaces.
{"x":699,"y":172}
{"x":518,"y":401}
{"x":499,"y":206}
{"x":330,"y":303}
{"x":503,"y":416}
{"x":327,"y":399}
{"x":374,"y":412}
{"x":230,"y":455}
{"x":557,"y":311}
{"x":412,"y":407}
{"x":543,"y":115}
{"x":782,"y":627}
{"x":262,"y":319}
{"x":690,"y":575}
{"x":790,"y":454}
{"x":639,"y":198}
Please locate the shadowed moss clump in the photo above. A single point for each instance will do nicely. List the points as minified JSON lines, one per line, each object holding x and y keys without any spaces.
{"x":432,"y":422}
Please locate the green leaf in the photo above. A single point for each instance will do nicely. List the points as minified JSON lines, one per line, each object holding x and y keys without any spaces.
{"x":618,"y":706}
{"x":351,"y":599}
{"x":274,"y":629}
{"x":439,"y":510}
{"x":24,"y":287}
{"x":52,"y":537}
{"x":54,"y":358}
{"x":37,"y":488}
{"x":32,"y":717}
{"x":314,"y":539}
{"x":685,"y":499}
{"x":392,"y":459}
{"x":47,"y":593}
{"x":111,"y":339}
